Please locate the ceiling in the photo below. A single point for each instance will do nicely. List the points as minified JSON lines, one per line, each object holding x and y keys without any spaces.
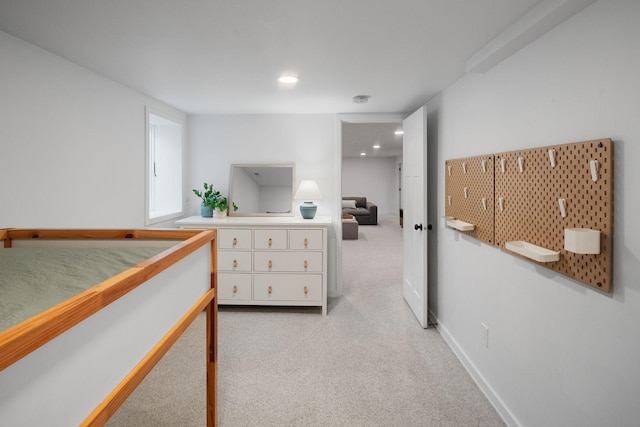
{"x":360,"y":138}
{"x":224,"y":56}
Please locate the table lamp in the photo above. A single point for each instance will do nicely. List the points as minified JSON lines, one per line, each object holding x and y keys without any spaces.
{"x":308,"y":191}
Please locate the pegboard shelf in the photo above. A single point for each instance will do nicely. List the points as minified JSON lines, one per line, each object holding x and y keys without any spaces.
{"x":531,"y":251}
{"x":460,"y":225}
{"x":582,"y":241}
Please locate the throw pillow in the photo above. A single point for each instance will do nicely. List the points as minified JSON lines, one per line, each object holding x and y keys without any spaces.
{"x":349,"y":204}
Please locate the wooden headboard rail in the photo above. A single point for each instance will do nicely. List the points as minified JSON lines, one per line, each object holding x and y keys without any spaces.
{"x":9,"y":234}
{"x":21,"y":339}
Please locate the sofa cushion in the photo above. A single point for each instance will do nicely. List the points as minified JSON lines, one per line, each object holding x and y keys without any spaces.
{"x":349,"y":204}
{"x":356,"y":211}
{"x":361,"y":202}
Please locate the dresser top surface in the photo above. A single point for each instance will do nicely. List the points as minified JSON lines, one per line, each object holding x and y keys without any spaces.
{"x":246,"y":221}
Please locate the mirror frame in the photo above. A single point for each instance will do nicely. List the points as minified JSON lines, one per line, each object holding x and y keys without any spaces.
{"x":261,"y":165}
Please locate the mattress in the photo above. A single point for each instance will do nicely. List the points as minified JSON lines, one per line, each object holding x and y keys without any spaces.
{"x":34,"y":279}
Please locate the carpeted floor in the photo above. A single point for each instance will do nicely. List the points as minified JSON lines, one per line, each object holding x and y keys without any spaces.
{"x":368,"y":363}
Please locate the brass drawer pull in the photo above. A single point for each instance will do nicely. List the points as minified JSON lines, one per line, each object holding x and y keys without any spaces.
{"x":306,"y":290}
{"x":270,"y":264}
{"x":306,"y":242}
{"x":306,"y":264}
{"x":235,"y":289}
{"x":270,"y":242}
{"x":269,"y":290}
{"x":235,"y":263}
{"x":235,"y":241}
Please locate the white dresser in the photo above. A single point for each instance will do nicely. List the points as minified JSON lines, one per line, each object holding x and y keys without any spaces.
{"x":269,"y":260}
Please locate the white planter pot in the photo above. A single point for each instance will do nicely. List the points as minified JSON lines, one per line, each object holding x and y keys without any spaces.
{"x":217,"y":213}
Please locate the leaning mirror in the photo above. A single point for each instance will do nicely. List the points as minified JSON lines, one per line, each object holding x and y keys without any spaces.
{"x":262,"y":189}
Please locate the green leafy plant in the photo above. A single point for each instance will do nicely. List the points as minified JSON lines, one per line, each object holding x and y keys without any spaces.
{"x":223,"y":204}
{"x":213,"y":198}
{"x":207,"y":195}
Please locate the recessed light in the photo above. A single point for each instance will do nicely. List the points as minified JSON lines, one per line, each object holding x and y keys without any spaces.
{"x":361,"y":99}
{"x":376,"y":146}
{"x":288,"y":79}
{"x":363,"y":154}
{"x":399,"y":132}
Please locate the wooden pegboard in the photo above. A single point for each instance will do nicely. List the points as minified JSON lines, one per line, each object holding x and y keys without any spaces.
{"x":531,"y":211}
{"x":479,"y":183}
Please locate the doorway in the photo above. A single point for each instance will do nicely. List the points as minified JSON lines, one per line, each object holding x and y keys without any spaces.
{"x":373,"y":175}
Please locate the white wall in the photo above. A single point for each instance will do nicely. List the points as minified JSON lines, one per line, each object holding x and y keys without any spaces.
{"x":308,"y":140}
{"x":560,"y":353}
{"x":72,"y":143}
{"x":73,"y":147}
{"x":375,"y":178}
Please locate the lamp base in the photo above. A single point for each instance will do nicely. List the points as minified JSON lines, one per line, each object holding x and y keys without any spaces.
{"x":308,"y":210}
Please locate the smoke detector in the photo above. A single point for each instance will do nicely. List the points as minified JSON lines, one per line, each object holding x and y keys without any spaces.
{"x":361,"y":99}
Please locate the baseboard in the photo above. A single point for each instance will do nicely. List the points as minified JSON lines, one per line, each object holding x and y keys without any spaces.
{"x":485,"y":387}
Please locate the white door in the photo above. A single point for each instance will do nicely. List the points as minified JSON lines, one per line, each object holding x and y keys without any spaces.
{"x":414,"y":200}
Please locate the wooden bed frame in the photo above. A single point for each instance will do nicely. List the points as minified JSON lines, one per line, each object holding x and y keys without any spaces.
{"x":84,"y":339}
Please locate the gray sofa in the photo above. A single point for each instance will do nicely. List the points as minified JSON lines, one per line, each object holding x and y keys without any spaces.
{"x":366,"y":213}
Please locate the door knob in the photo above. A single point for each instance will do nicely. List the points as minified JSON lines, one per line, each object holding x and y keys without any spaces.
{"x":429,"y":227}
{"x":418,"y":227}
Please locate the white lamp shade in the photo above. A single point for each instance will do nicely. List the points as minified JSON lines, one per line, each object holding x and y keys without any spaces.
{"x":308,"y":190}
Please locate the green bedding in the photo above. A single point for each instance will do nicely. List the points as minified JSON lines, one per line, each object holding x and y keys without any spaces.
{"x":34,"y":279}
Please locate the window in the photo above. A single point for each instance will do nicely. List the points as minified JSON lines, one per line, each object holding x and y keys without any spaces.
{"x":164,"y":167}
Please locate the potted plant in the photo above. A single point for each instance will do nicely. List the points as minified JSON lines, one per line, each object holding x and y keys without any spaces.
{"x":206,"y":207}
{"x":212,"y":200}
{"x":221,"y":205}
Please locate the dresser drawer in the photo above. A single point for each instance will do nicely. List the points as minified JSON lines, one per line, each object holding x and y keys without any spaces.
{"x":269,"y":239}
{"x":234,"y":287}
{"x":305,"y":239}
{"x":234,"y":261}
{"x":287,"y":287}
{"x":287,"y":262}
{"x":229,"y":238}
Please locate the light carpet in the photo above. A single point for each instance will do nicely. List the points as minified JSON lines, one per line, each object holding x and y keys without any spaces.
{"x":368,"y":363}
